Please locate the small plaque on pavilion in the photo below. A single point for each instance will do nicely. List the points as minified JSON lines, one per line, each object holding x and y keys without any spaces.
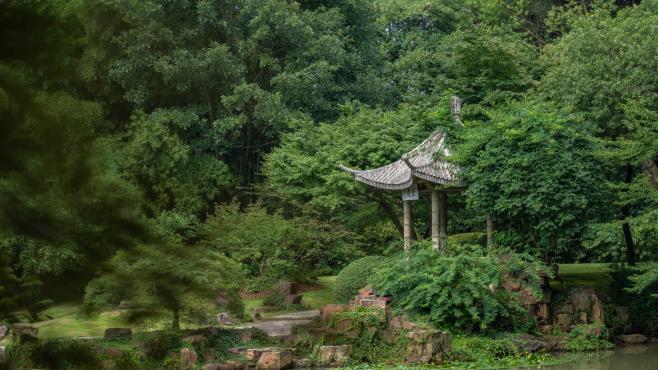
{"x":410,"y":193}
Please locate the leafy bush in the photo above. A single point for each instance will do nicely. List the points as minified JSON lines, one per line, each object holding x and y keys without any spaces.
{"x":582,"y":338}
{"x":637,"y":288}
{"x":475,"y":352}
{"x":157,"y":345}
{"x":475,"y":238}
{"x":355,"y":276}
{"x":272,"y":247}
{"x":459,"y":292}
{"x":367,"y":343}
{"x":53,"y":354}
{"x":275,"y":299}
{"x":477,"y":348}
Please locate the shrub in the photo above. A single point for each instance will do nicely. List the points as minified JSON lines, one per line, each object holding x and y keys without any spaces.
{"x":583,"y":338}
{"x":355,"y":276}
{"x":275,"y":299}
{"x":477,"y":352}
{"x":367,"y":343}
{"x":473,"y":349}
{"x":53,"y":354}
{"x":157,"y":345}
{"x":475,"y":238}
{"x":458,"y":292}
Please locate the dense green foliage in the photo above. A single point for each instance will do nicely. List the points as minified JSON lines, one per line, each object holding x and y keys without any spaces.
{"x":486,"y":352}
{"x":462,"y":292}
{"x":272,"y":247}
{"x":171,"y":152}
{"x":169,"y":277}
{"x":515,"y":163}
{"x":355,"y":276}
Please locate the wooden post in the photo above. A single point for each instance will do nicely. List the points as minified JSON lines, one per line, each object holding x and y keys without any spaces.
{"x":443,"y":220}
{"x":490,"y":229}
{"x":435,"y":220}
{"x":407,"y":224}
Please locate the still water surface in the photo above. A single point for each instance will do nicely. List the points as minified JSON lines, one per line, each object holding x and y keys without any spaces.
{"x":642,"y":357}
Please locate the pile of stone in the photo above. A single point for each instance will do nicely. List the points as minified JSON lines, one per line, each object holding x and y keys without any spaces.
{"x":367,"y":298}
{"x":583,"y":306}
{"x":424,"y":345}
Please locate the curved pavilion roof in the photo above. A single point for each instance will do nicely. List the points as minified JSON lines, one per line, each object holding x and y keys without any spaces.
{"x":421,"y":162}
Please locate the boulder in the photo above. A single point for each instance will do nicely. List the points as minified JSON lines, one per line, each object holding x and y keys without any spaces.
{"x":546,"y":329}
{"x":275,"y":360}
{"x":24,"y":332}
{"x":112,"y":352}
{"x":543,"y":313}
{"x":252,"y":355}
{"x":400,"y":322}
{"x":188,"y":359}
{"x":229,"y":365}
{"x":301,"y":363}
{"x":585,"y":300}
{"x":367,"y":291}
{"x":528,"y":297}
{"x":118,"y":333}
{"x":597,"y":311}
{"x":4,"y":329}
{"x":427,"y":346}
{"x":334,"y":355}
{"x":563,"y":321}
{"x":530,"y":343}
{"x":329,"y":310}
{"x":597,"y":331}
{"x":224,"y":318}
{"x":632,"y":339}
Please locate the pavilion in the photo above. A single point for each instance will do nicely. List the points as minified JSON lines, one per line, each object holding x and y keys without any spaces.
{"x":425,"y":169}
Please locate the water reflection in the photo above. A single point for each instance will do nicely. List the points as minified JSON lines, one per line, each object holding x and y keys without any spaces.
{"x":642,"y":357}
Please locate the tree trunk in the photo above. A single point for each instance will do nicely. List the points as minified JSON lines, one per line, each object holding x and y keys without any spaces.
{"x":175,"y":323}
{"x":650,"y":169}
{"x":390,"y":212}
{"x":626,"y":228}
{"x":490,"y":230}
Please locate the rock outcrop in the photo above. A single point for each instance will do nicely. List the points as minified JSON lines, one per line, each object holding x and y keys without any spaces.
{"x":118,"y":333}
{"x":427,"y":346}
{"x":334,"y":355}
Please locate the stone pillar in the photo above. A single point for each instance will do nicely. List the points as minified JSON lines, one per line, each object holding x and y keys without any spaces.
{"x":435,"y":220}
{"x":443,"y":219}
{"x":407,"y":224}
{"x":490,"y":229}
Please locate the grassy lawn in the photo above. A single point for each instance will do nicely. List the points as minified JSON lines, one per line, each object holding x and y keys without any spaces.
{"x":596,"y":275}
{"x":318,"y":298}
{"x":313,"y":299}
{"x":67,"y":322}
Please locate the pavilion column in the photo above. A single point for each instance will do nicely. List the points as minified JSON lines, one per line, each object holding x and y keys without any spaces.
{"x":443,"y":220}
{"x":407,"y":224}
{"x":435,"y":220}
{"x":490,"y":229}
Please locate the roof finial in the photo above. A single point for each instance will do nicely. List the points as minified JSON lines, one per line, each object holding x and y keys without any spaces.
{"x":456,"y":109}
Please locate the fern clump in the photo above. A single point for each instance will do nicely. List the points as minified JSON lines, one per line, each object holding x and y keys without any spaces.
{"x":461,"y":292}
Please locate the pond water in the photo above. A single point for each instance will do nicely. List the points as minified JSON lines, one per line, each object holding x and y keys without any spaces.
{"x":641,"y":357}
